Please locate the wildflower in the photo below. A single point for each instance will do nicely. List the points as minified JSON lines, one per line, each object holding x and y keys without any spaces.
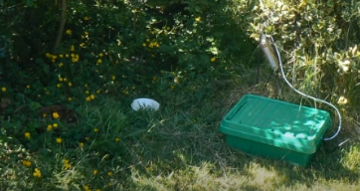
{"x":117,"y":139}
{"x":86,"y":33}
{"x":172,"y":87}
{"x":26,"y":163}
{"x":69,"y":32}
{"x":147,"y":40}
{"x":44,"y":114}
{"x":87,"y":92}
{"x":58,"y":85}
{"x":55,"y":125}
{"x":67,"y":55}
{"x":27,"y":135}
{"x":98,"y":91}
{"x":88,"y":98}
{"x":65,"y":79}
{"x":197,"y":19}
{"x":72,"y":48}
{"x":96,"y":130}
{"x":28,"y":86}
{"x":82,"y":45}
{"x":55,"y":115}
{"x":59,"y":140}
{"x":98,"y":189}
{"x":144,"y":44}
{"x":99,"y":61}
{"x":3,"y":89}
{"x":109,"y":173}
{"x":61,"y":55}
{"x":101,"y":54}
{"x":86,"y":85}
{"x":69,"y":99}
{"x":82,"y":36}
{"x":95,"y":172}
{"x":37,"y":173}
{"x":213,"y":59}
{"x":61,"y":64}
{"x":66,"y":164}
{"x":86,"y":18}
{"x":61,"y":79}
{"x":81,"y":145}
{"x":49,"y":127}
{"x":167,"y":28}
{"x":69,"y":84}
{"x":154,"y":78}
{"x":86,"y":188}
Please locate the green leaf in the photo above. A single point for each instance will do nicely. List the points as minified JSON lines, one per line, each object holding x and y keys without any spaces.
{"x":34,"y":106}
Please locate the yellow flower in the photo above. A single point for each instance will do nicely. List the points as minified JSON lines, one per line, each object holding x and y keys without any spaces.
{"x":61,"y":64}
{"x":61,"y":79}
{"x":44,"y":114}
{"x":66,"y":161}
{"x":70,"y":84}
{"x":117,"y":139}
{"x":172,"y":87}
{"x":65,"y":79}
{"x":86,"y":18}
{"x":72,"y":48}
{"x":26,"y":163}
{"x":3,"y":89}
{"x":81,"y":144}
{"x":82,"y":45}
{"x":98,"y":91}
{"x":55,"y":115}
{"x":27,"y":135}
{"x":28,"y":86}
{"x":86,"y":188}
{"x":69,"y":99}
{"x":92,"y":96}
{"x":55,"y":125}
{"x":197,"y":19}
{"x":99,"y":61}
{"x":37,"y":173}
{"x":96,"y":130}
{"x":68,"y":31}
{"x":109,"y":173}
{"x":167,"y":28}
{"x":147,"y":40}
{"x":86,"y":85}
{"x":101,"y":54}
{"x":59,"y":140}
{"x":87,"y":92}
{"x":154,"y":78}
{"x":58,"y":85}
{"x":213,"y":59}
{"x":67,"y":166}
{"x":88,"y":98}
{"x":98,"y":189}
{"x":49,"y":127}
{"x":86,"y":33}
{"x":95,"y":172}
{"x":61,"y":56}
{"x":67,"y":55}
{"x":143,"y":44}
{"x":113,"y":77}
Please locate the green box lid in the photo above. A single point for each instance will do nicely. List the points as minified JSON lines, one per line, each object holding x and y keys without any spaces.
{"x":277,"y":123}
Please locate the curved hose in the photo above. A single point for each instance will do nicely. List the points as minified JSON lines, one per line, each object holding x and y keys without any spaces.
{"x":305,"y":95}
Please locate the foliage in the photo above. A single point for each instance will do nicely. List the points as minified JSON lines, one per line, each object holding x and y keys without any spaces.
{"x":320,"y":40}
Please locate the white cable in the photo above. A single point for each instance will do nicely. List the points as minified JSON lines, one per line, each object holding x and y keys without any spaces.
{"x":305,"y":95}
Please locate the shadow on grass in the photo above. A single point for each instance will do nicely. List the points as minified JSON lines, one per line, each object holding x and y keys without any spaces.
{"x":180,"y":148}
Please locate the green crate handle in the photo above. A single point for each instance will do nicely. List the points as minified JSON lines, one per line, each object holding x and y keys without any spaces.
{"x":235,"y":110}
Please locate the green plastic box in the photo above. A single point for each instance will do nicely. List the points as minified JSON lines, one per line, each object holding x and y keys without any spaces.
{"x":275,"y":129}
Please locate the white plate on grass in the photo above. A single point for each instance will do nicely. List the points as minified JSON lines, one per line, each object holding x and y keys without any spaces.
{"x":145,"y":103}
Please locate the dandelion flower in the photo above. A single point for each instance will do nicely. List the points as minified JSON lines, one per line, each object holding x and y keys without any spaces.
{"x":213,"y":59}
{"x":55,"y":125}
{"x":3,"y":89}
{"x":95,"y":172}
{"x":101,"y":54}
{"x":81,"y":144}
{"x":109,"y":173}
{"x":69,"y":99}
{"x":27,"y":135}
{"x":49,"y":127}
{"x":88,"y":98}
{"x":96,"y":130}
{"x":117,"y":139}
{"x":69,"y":84}
{"x":197,"y":19}
{"x":26,"y":163}
{"x":37,"y":173}
{"x":59,"y":140}
{"x":69,"y":32}
{"x":55,"y":115}
{"x":58,"y":85}
{"x":86,"y":18}
{"x":92,"y":96}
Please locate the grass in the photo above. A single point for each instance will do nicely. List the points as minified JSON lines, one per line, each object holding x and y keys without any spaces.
{"x":176,"y":148}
